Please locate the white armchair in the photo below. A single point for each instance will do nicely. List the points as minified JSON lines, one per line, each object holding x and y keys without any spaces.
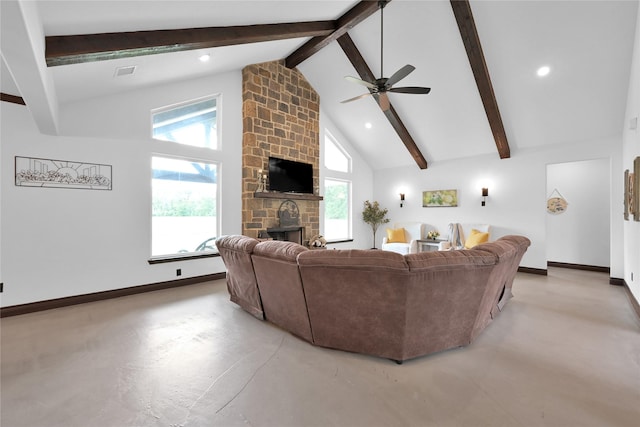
{"x":413,"y":232}
{"x":464,"y":231}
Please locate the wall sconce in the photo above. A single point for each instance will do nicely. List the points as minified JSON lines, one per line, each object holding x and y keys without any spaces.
{"x":485,"y":194}
{"x":401,"y":199}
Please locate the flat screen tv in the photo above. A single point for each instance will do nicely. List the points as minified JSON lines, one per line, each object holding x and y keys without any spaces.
{"x":288,"y":176}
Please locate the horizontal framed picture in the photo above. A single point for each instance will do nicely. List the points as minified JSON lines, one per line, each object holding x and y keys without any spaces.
{"x":50,"y":173}
{"x":439,"y":198}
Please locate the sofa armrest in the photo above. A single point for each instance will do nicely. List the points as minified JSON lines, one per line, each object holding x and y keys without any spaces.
{"x":444,"y":246}
{"x":384,"y":240}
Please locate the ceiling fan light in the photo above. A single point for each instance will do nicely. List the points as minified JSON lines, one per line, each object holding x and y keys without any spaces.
{"x":379,"y":87}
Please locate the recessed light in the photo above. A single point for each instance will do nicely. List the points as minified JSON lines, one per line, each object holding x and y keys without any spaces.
{"x":368,"y":125}
{"x":543,"y":71}
{"x":204,"y":58}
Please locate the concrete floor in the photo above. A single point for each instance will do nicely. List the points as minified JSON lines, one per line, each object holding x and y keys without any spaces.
{"x":565,"y":352}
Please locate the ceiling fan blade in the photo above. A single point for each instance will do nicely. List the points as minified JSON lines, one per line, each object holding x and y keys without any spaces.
{"x":355,"y":98}
{"x":410,"y":89}
{"x":400,"y":74}
{"x":383,"y":100}
{"x":360,"y":82}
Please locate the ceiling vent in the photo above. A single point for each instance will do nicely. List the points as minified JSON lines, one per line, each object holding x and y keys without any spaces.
{"x":125,"y":71}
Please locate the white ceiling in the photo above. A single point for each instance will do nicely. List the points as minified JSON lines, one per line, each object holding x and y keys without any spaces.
{"x":587,"y":44}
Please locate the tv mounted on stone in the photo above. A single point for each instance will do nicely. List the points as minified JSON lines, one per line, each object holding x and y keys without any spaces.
{"x":288,"y":176}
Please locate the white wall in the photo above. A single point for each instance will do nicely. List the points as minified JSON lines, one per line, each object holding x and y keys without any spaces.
{"x":630,"y":150}
{"x":517,"y":194}
{"x":581,"y":234}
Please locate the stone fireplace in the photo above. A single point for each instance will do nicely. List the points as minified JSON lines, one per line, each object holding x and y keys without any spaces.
{"x":281,"y":118}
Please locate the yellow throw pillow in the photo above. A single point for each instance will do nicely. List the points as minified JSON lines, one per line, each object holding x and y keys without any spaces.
{"x":475,"y":238}
{"x":396,"y":235}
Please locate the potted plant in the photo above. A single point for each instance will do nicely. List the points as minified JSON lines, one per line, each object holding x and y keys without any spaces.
{"x":373,"y":215}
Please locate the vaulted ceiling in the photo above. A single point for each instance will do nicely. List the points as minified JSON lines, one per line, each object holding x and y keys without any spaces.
{"x":479,"y":58}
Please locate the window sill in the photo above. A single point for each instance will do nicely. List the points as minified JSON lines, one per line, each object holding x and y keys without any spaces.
{"x":181,"y":257}
{"x":339,"y":241}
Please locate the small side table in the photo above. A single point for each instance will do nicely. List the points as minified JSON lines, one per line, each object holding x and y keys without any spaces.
{"x":425,"y":245}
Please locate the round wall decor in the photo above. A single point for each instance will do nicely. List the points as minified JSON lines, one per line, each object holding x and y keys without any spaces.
{"x":557,"y":204}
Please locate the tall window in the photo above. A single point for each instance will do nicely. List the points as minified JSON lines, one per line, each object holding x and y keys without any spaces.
{"x":185,"y":191}
{"x":195,"y":123}
{"x":337,"y":224}
{"x":337,"y":191}
{"x":184,"y":206}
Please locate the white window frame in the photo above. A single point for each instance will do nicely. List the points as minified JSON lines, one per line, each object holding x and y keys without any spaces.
{"x":189,"y":253}
{"x":218,"y":99}
{"x":193,"y":153}
{"x":335,"y":175}
{"x":349,"y":183}
{"x":334,"y":141}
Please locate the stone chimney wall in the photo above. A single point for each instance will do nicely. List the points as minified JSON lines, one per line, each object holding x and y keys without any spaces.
{"x":281,"y":118}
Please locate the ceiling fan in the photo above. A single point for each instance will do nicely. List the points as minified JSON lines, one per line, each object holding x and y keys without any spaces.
{"x":381,"y":86}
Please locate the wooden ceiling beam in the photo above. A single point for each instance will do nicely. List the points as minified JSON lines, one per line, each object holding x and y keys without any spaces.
{"x":358,"y":62}
{"x":14,"y":99}
{"x":350,"y":19}
{"x":471,"y":40}
{"x":74,"y":49}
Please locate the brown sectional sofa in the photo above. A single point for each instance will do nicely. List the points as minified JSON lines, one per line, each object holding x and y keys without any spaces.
{"x":370,"y":301}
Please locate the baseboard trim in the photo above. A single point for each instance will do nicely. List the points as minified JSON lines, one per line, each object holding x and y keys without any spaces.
{"x":634,"y":302}
{"x":578,"y":266}
{"x":617,"y":282}
{"x":530,"y":270}
{"x":33,"y":307}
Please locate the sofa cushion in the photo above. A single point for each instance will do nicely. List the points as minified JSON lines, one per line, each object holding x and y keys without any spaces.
{"x":449,"y":259}
{"x":500,"y":248}
{"x":445,"y":290}
{"x":286,"y":251}
{"x":396,"y":235}
{"x":353,"y":258}
{"x":278,"y":276}
{"x":235,"y":252}
{"x":499,"y":291}
{"x":356,"y":299}
{"x":520,"y":244}
{"x":475,"y":238}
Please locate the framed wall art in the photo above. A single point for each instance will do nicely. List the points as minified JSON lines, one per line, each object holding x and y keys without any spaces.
{"x":50,"y":173}
{"x":439,"y":198}
{"x":635,"y":190}
{"x":628,"y":185}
